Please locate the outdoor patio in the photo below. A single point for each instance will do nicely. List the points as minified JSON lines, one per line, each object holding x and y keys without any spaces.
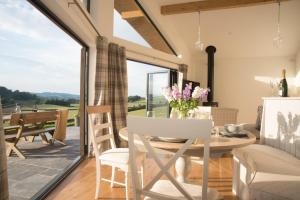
{"x":43,"y":163}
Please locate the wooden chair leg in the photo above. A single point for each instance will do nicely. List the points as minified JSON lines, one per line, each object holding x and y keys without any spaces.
{"x":113,"y":172}
{"x":13,"y":148}
{"x":52,"y":140}
{"x":126,"y":185}
{"x":8,"y":150}
{"x":32,"y":139}
{"x":98,"y":180}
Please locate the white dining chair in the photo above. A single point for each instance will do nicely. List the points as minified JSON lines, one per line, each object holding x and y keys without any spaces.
{"x":117,"y":158}
{"x":157,"y":189}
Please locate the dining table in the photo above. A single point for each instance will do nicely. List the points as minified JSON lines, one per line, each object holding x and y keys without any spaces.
{"x":218,"y":146}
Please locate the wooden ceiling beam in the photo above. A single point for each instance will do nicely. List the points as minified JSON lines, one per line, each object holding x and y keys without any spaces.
{"x":206,"y":5}
{"x":132,"y":14}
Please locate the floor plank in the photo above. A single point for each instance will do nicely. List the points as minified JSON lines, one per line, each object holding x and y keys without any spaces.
{"x":80,"y":185}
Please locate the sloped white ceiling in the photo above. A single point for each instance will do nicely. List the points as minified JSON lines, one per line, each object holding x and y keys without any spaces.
{"x":241,"y":32}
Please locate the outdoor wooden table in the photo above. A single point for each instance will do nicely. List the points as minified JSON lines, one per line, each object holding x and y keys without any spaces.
{"x":6,"y":118}
{"x":218,"y":146}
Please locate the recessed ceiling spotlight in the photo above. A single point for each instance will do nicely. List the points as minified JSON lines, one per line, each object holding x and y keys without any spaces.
{"x":179,"y":56}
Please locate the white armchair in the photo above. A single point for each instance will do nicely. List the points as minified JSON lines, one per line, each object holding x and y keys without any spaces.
{"x":271,"y":170}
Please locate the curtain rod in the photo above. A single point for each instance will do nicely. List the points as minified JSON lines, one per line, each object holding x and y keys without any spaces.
{"x":94,"y":27}
{"x":85,"y":15}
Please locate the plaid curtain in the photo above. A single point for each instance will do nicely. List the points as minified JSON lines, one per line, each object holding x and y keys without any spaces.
{"x":118,"y":89}
{"x":3,"y":163}
{"x":111,"y":85}
{"x":101,"y":86}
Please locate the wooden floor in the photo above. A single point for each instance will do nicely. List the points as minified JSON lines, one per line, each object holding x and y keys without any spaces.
{"x":80,"y":185}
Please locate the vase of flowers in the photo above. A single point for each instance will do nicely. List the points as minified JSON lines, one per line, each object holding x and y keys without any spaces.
{"x":185,"y":101}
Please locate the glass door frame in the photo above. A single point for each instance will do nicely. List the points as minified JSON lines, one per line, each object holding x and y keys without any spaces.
{"x":173,"y":74}
{"x":148,"y":97}
{"x":84,"y":78}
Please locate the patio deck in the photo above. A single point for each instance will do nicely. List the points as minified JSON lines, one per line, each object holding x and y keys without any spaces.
{"x":43,"y":163}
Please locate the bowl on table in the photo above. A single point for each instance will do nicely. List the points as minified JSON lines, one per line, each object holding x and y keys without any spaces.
{"x":233,"y":128}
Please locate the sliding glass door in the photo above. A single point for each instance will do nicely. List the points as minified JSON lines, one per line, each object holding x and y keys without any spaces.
{"x":42,"y":73}
{"x":145,"y":84}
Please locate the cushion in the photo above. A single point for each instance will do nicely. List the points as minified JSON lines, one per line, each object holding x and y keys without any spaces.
{"x":165,"y":187}
{"x":268,"y":159}
{"x":116,"y":155}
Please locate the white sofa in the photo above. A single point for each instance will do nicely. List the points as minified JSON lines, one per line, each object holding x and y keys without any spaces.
{"x":271,"y":170}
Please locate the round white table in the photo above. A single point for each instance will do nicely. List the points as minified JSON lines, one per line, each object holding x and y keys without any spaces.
{"x":218,"y":146}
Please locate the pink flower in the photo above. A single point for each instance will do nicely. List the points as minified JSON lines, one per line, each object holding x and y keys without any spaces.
{"x":175,"y":92}
{"x":204,"y":93}
{"x":187,"y":91}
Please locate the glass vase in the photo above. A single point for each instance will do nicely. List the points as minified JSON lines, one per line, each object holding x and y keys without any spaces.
{"x":183,"y":114}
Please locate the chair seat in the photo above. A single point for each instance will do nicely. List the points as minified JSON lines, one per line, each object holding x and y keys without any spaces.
{"x":165,"y":187}
{"x":115,"y":155}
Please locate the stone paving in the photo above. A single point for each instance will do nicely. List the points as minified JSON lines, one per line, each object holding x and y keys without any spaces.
{"x":43,"y":162}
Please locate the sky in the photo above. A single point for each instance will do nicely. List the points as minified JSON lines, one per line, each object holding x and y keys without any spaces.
{"x":37,"y":56}
{"x":137,"y":78}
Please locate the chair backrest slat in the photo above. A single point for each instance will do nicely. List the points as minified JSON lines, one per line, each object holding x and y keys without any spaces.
{"x":186,"y":129}
{"x":33,"y":117}
{"x":98,"y":109}
{"x":164,"y":127}
{"x":15,"y":119}
{"x":100,"y":112}
{"x":222,"y":116}
{"x":38,"y":117}
{"x":102,"y":126}
{"x":100,"y":139}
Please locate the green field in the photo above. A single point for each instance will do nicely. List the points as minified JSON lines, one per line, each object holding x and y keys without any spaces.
{"x":138,"y":108}
{"x":159,"y":112}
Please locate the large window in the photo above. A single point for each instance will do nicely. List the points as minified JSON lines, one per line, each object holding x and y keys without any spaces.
{"x":133,"y":24}
{"x":145,"y":83}
{"x":39,"y":73}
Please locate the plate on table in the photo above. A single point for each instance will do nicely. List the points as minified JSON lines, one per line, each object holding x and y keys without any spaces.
{"x":240,"y":134}
{"x":168,"y":139}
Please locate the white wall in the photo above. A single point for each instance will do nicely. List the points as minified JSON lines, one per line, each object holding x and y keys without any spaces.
{"x":297,"y":72}
{"x":242,"y":82}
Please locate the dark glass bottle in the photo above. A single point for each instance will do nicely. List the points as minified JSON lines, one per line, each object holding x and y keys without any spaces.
{"x":283,"y":86}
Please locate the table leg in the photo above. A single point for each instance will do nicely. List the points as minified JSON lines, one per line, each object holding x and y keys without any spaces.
{"x":183,"y":166}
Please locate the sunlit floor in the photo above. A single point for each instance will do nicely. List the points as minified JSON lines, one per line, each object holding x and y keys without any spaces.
{"x":80,"y":185}
{"x":43,"y":162}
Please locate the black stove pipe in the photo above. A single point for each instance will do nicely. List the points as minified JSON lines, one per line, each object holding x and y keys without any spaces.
{"x":210,"y":50}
